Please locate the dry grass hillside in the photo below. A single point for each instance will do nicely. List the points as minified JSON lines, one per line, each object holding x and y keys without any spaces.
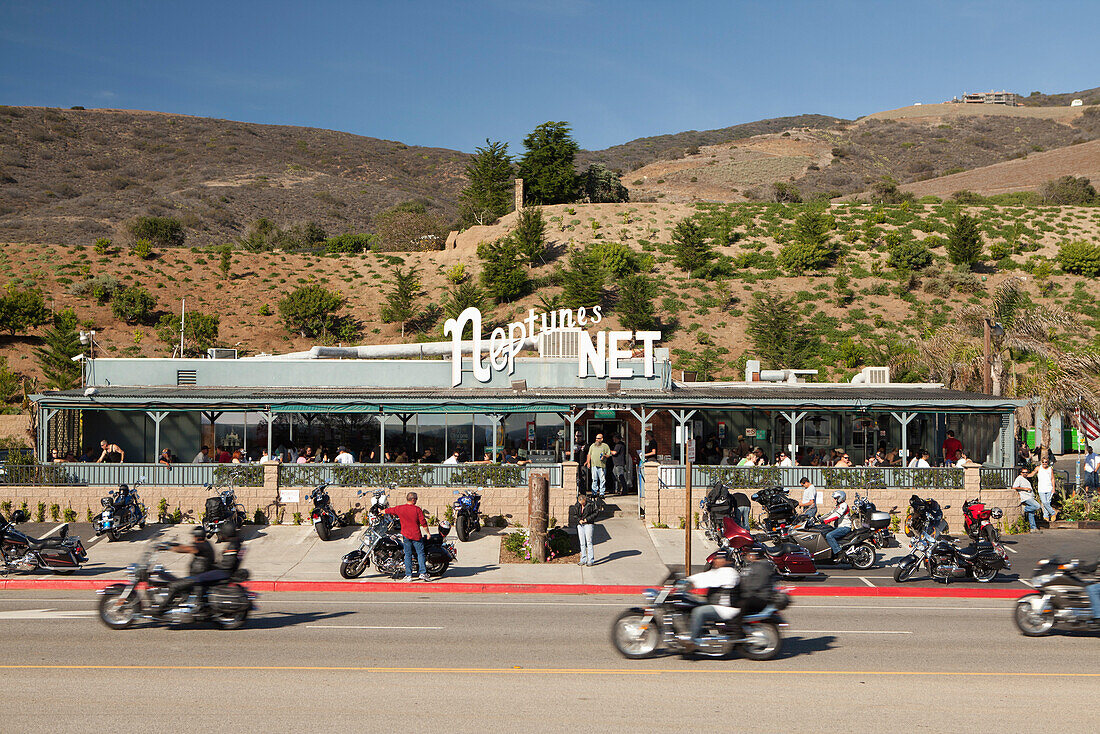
{"x":1022,"y":174}
{"x":75,"y":175}
{"x":860,"y":308}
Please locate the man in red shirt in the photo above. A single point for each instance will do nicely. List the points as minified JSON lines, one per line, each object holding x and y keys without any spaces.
{"x":951,"y":448}
{"x":412,"y":519}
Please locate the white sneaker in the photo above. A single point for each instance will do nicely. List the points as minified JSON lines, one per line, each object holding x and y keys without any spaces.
{"x":425,"y":577}
{"x":407,"y":578}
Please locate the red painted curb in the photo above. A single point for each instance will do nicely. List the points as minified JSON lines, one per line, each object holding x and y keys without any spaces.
{"x":445,"y":587}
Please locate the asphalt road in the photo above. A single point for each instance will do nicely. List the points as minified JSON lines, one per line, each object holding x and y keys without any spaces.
{"x":474,"y":663}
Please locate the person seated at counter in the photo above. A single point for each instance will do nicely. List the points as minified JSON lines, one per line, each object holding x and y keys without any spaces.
{"x":511,"y":458}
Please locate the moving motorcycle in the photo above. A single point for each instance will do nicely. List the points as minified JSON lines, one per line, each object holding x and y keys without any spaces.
{"x":59,"y":553}
{"x":1059,"y":598}
{"x":666,"y":620}
{"x":467,"y":509}
{"x":323,"y":516}
{"x":122,"y":511}
{"x":380,"y":543}
{"x":221,"y":507}
{"x":226,"y":603}
{"x":977,"y":521}
{"x":791,"y":561}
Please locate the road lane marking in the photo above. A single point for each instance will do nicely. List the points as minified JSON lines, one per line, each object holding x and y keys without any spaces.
{"x":1010,"y":550}
{"x":53,"y":614}
{"x":564,"y":671}
{"x":864,"y":579}
{"x":363,"y":627}
{"x":852,"y":632}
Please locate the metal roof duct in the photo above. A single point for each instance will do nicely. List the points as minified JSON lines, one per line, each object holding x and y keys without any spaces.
{"x":391,"y":351}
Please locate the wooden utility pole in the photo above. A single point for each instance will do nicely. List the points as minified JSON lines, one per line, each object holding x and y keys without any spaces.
{"x":538,"y":506}
{"x":687,"y":506}
{"x":987,"y":353}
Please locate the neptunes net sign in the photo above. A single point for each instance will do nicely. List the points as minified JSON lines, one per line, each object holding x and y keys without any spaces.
{"x":601,"y":357}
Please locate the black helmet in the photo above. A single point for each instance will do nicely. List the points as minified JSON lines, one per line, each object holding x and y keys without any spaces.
{"x":123,"y":488}
{"x":996,"y":513}
{"x":198,"y":533}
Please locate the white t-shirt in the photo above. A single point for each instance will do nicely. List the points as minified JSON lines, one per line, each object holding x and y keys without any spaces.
{"x":452,"y":459}
{"x":786,"y":462}
{"x":1023,"y":487}
{"x":726,"y":576}
{"x":1046,"y":480}
{"x":809,"y":494}
{"x":344,"y":458}
{"x":1092,"y":462}
{"x":919,"y":464}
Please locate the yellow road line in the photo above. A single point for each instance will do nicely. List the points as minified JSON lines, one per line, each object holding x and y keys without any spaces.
{"x":558,"y":671}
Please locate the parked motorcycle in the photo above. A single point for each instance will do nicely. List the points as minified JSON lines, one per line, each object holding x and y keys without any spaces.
{"x":977,"y":521}
{"x":917,"y":517}
{"x":122,"y":511}
{"x":467,"y":509}
{"x":869,"y":517}
{"x":714,"y":509}
{"x":1059,"y":598}
{"x":791,"y":561}
{"x":945,"y":560}
{"x":226,"y":604}
{"x":666,"y":620}
{"x":59,"y":553}
{"x":381,"y":545}
{"x":781,"y":510}
{"x":323,"y":516}
{"x":221,"y":507}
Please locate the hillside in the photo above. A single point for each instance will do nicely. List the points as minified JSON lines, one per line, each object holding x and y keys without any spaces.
{"x":70,"y":176}
{"x":860,"y":308}
{"x":1038,"y":99}
{"x":1022,"y":174}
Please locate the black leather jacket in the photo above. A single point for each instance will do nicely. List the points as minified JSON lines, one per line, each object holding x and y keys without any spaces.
{"x":583,"y":514}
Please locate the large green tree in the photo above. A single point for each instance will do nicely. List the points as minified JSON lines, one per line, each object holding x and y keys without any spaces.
{"x":200,"y":331}
{"x":503,"y":269}
{"x":60,"y":343}
{"x":530,"y":234}
{"x":635,"y":304}
{"x":311,"y":311}
{"x":780,"y":338}
{"x":964,"y":241}
{"x":22,"y":309}
{"x":547,"y":165}
{"x":601,"y":185}
{"x":689,"y":245}
{"x":583,"y":280}
{"x":488,"y":196}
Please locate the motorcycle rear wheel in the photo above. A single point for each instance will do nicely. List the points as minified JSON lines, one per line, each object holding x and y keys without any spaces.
{"x":230,"y":620}
{"x":984,"y":574}
{"x":462,"y":528}
{"x":323,"y":531}
{"x":1028,"y":621}
{"x":352,"y":570}
{"x":764,"y":641}
{"x":112,"y":535}
{"x":630,"y":638}
{"x":863,"y":556}
{"x":438,"y":568}
{"x":116,"y":612}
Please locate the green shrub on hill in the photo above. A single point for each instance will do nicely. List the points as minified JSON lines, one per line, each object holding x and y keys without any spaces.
{"x":1080,"y":257}
{"x":162,"y":231}
{"x":133,"y":304}
{"x":909,"y":255}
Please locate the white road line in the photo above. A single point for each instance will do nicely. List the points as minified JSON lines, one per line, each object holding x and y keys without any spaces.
{"x":1026,"y":583}
{"x":55,"y":529}
{"x":864,"y":579}
{"x":50,"y":614}
{"x":1010,"y":550}
{"x":851,"y":632}
{"x":363,"y":627}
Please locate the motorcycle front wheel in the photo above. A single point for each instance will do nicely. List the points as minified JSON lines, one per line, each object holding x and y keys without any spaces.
{"x":631,"y":637}
{"x":863,"y":556}
{"x":763,"y":641}
{"x":1030,"y":622}
{"x":462,"y":528}
{"x":116,"y":612}
{"x":112,"y":535}
{"x":905,"y":570}
{"x":353,"y":569}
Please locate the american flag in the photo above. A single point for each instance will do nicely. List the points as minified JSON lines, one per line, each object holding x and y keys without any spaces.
{"x":1089,"y":424}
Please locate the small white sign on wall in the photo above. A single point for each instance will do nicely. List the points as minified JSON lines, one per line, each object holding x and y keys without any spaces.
{"x":290,"y":495}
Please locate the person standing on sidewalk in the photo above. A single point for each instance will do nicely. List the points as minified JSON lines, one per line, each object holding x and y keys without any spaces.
{"x":412,"y":520}
{"x":1022,"y":485}
{"x":1091,"y":469}
{"x":597,"y":464}
{"x":583,"y":515}
{"x":1045,"y":472}
{"x":580,"y":455}
{"x":620,"y":464}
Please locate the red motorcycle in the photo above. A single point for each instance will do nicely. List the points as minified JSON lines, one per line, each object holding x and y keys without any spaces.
{"x":977,"y":520}
{"x":791,"y":561}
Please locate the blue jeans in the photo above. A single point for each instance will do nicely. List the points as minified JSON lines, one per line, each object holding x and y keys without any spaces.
{"x":584,"y":533}
{"x":1044,"y":500}
{"x":408,"y":545}
{"x":1094,"y":599}
{"x":1030,"y":508}
{"x":833,"y":536}
{"x":599,"y":480}
{"x":742,"y":515}
{"x":699,"y":617}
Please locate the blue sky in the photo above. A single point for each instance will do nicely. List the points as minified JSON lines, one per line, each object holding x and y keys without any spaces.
{"x":451,"y":74}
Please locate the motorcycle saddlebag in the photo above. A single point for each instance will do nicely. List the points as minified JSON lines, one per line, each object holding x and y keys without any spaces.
{"x":214,"y":508}
{"x":58,"y":557}
{"x":227,"y":598}
{"x":879,"y":520}
{"x":795,"y":564}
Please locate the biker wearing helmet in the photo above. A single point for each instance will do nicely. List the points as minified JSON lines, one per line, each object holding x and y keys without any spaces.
{"x":202,"y":562}
{"x":842,"y":514}
{"x":722,"y":577}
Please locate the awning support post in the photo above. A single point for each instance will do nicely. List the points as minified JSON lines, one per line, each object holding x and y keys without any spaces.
{"x":270,"y":418}
{"x":157,"y":418}
{"x":572,"y":420}
{"x":904,"y":419}
{"x":682,"y":417}
{"x":793,"y":418}
{"x":44,"y":434}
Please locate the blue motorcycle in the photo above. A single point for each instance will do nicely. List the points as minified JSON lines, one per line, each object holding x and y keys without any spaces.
{"x":467,"y":507}
{"x":122,"y":511}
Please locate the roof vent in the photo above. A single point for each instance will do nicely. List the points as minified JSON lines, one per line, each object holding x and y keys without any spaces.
{"x":187,"y":377}
{"x":872,"y":376}
{"x":217,"y":353}
{"x":560,"y":344}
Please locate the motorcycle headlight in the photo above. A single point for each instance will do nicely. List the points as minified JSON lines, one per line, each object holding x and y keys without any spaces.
{"x":649,"y":594}
{"x":1042,"y":580}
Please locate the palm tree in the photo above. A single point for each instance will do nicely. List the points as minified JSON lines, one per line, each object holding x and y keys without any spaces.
{"x":947,"y":355}
{"x":1024,"y":327}
{"x":1063,"y":385}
